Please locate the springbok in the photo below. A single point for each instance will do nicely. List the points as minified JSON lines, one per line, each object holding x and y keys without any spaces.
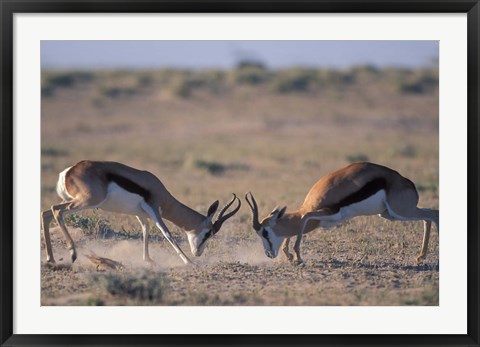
{"x":359,"y":189}
{"x":115,"y":187}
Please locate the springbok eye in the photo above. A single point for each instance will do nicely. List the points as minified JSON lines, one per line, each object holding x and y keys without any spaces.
{"x":265,"y":234}
{"x":206,"y":236}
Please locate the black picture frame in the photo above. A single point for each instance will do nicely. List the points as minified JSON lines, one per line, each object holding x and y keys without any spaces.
{"x":9,"y":8}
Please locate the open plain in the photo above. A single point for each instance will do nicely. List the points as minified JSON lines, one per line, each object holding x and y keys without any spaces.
{"x":208,"y":134}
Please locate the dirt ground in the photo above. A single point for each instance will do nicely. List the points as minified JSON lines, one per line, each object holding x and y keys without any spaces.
{"x":372,"y":269}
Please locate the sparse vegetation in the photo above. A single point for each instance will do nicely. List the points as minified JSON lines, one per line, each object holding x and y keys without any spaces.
{"x":251,"y":75}
{"x":406,"y":150}
{"x":357,"y":157}
{"x":186,"y":83}
{"x":425,"y":83}
{"x":295,"y":80}
{"x":68,"y":79}
{"x":95,"y":224}
{"x":142,"y":288}
{"x":54,"y":152}
{"x":214,"y":167}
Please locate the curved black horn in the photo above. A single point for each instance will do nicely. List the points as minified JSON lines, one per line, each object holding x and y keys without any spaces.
{"x":221,"y":218}
{"x":254,"y":208}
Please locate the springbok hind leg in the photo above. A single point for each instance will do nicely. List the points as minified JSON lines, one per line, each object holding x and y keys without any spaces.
{"x":58,"y":211}
{"x":429,"y":215}
{"x":410,"y":212}
{"x":47,"y":217}
{"x":426,"y":237}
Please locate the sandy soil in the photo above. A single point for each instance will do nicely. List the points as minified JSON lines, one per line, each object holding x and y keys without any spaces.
{"x":334,"y":273}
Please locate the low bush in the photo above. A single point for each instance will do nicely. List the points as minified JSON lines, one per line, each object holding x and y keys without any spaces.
{"x":146,"y":286}
{"x":91,"y":225}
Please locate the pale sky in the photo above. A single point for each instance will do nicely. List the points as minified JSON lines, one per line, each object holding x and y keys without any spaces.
{"x":226,"y":54}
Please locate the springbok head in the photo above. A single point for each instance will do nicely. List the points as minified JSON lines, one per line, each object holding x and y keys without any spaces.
{"x":208,"y":227}
{"x":266,"y":228}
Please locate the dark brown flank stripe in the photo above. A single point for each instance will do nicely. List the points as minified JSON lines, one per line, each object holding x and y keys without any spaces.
{"x":129,"y":185}
{"x":364,"y":193}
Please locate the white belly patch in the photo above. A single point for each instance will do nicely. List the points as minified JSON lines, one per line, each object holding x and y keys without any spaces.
{"x":121,"y":201}
{"x":375,"y":204}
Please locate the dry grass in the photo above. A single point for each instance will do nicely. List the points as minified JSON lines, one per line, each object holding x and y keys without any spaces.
{"x":240,"y":137}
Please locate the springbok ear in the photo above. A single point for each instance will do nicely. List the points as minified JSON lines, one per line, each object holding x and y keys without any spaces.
{"x":274,"y":211}
{"x":282,"y":212}
{"x":277,"y":214}
{"x":212,"y":209}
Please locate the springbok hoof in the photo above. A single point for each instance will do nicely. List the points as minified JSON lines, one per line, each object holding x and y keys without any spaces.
{"x":149,"y":262}
{"x":73,"y":256}
{"x":419,"y":259}
{"x":298,"y":262}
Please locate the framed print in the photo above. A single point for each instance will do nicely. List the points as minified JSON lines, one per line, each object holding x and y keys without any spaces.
{"x":213,"y":173}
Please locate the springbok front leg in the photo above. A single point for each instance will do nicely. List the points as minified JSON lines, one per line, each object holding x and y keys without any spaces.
{"x":144,"y":223}
{"x":163,"y":228}
{"x":155,"y":216}
{"x":285,"y":251}
{"x":297,"y":259}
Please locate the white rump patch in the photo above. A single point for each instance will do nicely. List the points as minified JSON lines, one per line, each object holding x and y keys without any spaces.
{"x":61,"y":188}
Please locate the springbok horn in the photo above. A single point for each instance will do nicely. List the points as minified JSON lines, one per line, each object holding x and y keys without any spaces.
{"x":221,"y":218}
{"x":254,"y":208}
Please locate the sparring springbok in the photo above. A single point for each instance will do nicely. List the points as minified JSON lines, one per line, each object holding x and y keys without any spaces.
{"x":115,"y":187}
{"x":359,"y":189}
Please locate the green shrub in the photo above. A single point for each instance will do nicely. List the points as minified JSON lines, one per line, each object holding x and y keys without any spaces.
{"x":54,"y":80}
{"x":338,"y":79}
{"x":251,"y":75}
{"x":90,"y":225}
{"x":357,"y":157}
{"x":407,"y":151}
{"x":250,"y":63}
{"x":422,"y":85}
{"x":146,"y":286}
{"x":366,"y":70}
{"x":66,"y":79}
{"x":47,"y":91}
{"x":54,"y":152}
{"x":294,"y":80}
{"x":182,"y":88}
{"x":118,"y":92}
{"x":145,"y":80}
{"x":213,"y":167}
